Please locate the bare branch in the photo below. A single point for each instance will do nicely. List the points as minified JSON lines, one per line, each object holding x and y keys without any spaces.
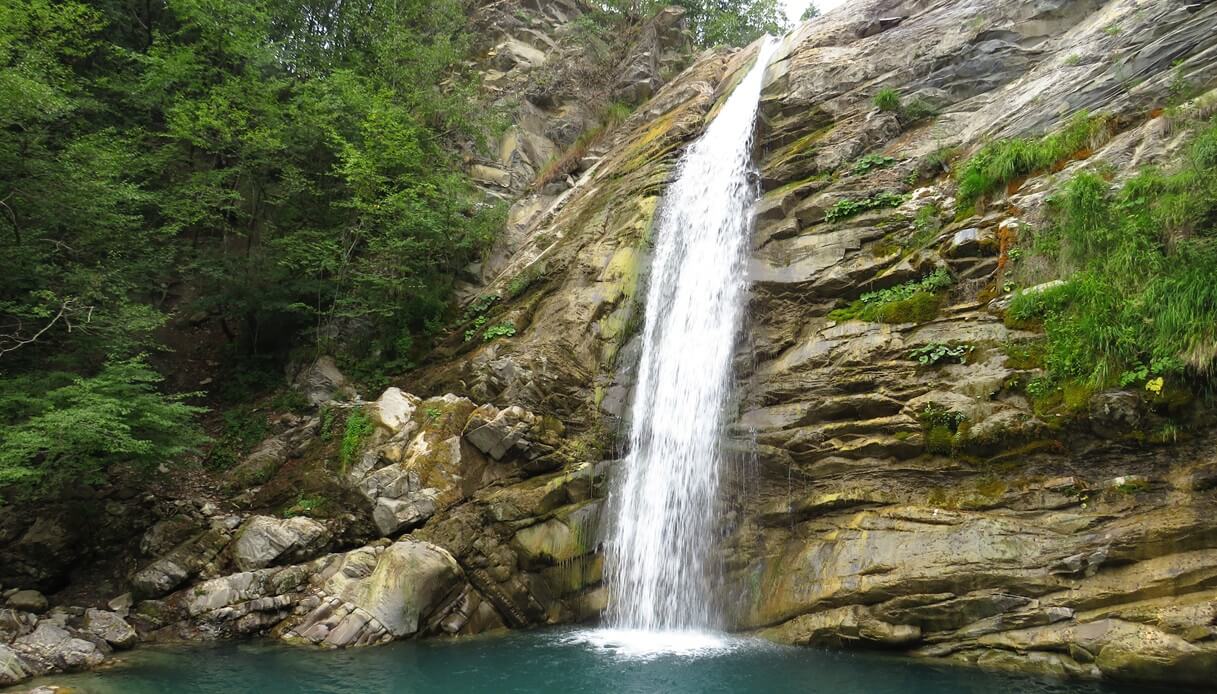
{"x":15,"y":341}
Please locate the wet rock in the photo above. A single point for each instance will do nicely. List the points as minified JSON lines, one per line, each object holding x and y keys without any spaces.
{"x":1116,"y":414}
{"x":852,"y":625}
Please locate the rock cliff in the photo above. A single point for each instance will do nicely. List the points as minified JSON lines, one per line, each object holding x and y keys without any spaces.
{"x":896,"y":486}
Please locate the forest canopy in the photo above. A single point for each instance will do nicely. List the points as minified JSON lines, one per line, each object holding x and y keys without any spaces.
{"x":294,"y":165}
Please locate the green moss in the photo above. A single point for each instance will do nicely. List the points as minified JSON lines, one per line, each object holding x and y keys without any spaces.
{"x":872,"y":162}
{"x":1132,"y":487}
{"x":304,"y":506}
{"x":940,"y":440}
{"x":916,"y":301}
{"x":918,"y":308}
{"x":527,"y":277}
{"x":1025,"y":355}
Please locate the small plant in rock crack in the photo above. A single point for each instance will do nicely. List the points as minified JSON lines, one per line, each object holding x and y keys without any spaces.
{"x":887,"y":99}
{"x":871,"y":162}
{"x":497,"y":331}
{"x":844,"y":209}
{"x":936,"y":352}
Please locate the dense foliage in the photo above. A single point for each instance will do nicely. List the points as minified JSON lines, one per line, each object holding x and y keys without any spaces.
{"x":288,"y":169}
{"x":1140,"y":303}
{"x":715,"y":22}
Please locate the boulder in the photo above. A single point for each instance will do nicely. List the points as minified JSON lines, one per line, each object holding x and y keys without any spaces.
{"x":394,"y":409}
{"x":184,"y":561}
{"x":110,"y":628}
{"x":511,"y":435}
{"x":322,"y":382}
{"x":27,"y":601}
{"x":12,"y":670}
{"x":392,"y":515}
{"x":262,"y":541}
{"x":54,"y":648}
{"x":380,"y":593}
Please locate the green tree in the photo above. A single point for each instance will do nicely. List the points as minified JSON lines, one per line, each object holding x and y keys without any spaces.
{"x":715,"y":22}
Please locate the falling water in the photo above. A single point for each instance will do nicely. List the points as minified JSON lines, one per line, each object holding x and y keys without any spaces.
{"x":660,"y":554}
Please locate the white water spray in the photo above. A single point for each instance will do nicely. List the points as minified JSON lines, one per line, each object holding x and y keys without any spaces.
{"x":659,"y":564}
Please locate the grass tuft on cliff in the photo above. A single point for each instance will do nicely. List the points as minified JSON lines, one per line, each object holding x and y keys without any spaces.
{"x":1002,"y":162}
{"x":916,"y":301}
{"x":1141,"y":303}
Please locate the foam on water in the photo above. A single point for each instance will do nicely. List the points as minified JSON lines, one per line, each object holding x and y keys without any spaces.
{"x":640,"y":644}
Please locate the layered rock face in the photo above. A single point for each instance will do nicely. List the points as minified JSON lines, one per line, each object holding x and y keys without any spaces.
{"x":929,"y":508}
{"x":925,"y":507}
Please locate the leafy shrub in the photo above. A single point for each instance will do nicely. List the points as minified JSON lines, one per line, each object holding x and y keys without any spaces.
{"x":475,"y":327}
{"x":844,"y":209}
{"x":1003,"y":161}
{"x":243,"y":429}
{"x":66,"y":428}
{"x":887,"y":99}
{"x":936,"y":352}
{"x":480,"y":305}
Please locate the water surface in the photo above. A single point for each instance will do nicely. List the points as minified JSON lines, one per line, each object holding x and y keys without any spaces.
{"x":578,"y":661}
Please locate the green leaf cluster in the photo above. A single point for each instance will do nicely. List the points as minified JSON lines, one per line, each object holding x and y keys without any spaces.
{"x":849,"y":207}
{"x":871,"y":162}
{"x":937,"y":352}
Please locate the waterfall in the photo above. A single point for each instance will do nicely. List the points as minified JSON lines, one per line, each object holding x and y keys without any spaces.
{"x":660,"y":556}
